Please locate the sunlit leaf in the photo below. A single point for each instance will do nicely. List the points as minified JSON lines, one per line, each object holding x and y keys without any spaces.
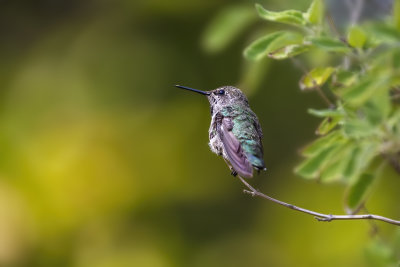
{"x":356,"y":37}
{"x":293,"y":17}
{"x":259,"y":48}
{"x":357,"y":193}
{"x":315,"y":78}
{"x":315,"y":12}
{"x":288,"y":51}
{"x":329,"y":45}
{"x":227,"y":26}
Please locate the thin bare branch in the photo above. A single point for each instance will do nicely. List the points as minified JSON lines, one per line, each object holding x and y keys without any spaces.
{"x":322,"y":95}
{"x":319,"y":216}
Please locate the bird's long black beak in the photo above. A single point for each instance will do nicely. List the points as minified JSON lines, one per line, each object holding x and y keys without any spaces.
{"x":194,"y":90}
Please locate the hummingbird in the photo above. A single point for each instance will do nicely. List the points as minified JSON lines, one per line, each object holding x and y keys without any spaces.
{"x":235,"y":132}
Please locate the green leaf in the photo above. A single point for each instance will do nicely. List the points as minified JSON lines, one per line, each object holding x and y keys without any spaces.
{"x":361,"y":156}
{"x":315,"y":12}
{"x":259,"y":48}
{"x":378,"y":107}
{"x":329,"y":45}
{"x":311,"y":167}
{"x":361,"y":92}
{"x":356,"y":37}
{"x":327,"y":125}
{"x":396,"y":14}
{"x":384,"y":33}
{"x":353,"y":166}
{"x":277,"y":45}
{"x":336,"y":168}
{"x":326,"y":112}
{"x":227,"y":26}
{"x":315,"y":78}
{"x":344,"y":78}
{"x":287,"y":39}
{"x":292,"y":17}
{"x":358,"y":128}
{"x":358,"y":192}
{"x":320,"y":144}
{"x":288,"y":51}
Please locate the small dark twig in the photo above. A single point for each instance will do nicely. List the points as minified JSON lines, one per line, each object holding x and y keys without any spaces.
{"x":319,"y":216}
{"x":332,"y":25}
{"x":322,"y":95}
{"x":300,"y":65}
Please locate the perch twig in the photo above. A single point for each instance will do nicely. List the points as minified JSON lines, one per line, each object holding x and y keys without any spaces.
{"x":319,"y":216}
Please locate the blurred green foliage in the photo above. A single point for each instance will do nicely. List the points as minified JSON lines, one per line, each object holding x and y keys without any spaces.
{"x":104,"y":163}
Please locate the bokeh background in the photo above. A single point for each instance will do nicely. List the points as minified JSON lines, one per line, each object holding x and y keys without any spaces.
{"x":104,"y":163}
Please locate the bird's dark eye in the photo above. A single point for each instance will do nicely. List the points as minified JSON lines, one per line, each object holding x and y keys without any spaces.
{"x":221,"y":92}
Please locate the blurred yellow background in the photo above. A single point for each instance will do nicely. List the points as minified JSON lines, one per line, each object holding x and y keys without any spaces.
{"x":104,"y":163}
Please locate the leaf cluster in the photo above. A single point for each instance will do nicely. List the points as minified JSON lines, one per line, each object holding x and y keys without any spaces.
{"x":359,"y":76}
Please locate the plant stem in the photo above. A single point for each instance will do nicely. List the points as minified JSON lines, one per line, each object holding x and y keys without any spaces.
{"x":299,"y":65}
{"x":319,"y":216}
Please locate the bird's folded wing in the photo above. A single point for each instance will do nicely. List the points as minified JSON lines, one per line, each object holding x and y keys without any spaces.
{"x":233,"y":149}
